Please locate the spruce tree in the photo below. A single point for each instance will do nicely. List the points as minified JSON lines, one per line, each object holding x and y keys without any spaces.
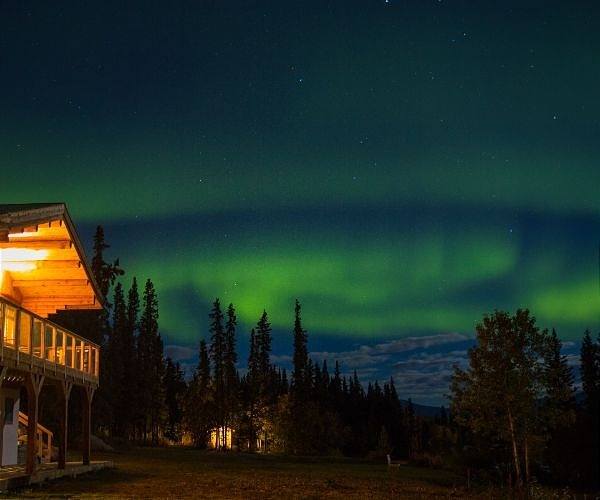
{"x":115,"y":362}
{"x":299,"y":382}
{"x":217,"y":357}
{"x":590,"y":378}
{"x":149,"y":350}
{"x":175,"y":389}
{"x":253,"y":390}
{"x":558,"y":380}
{"x":131,"y":382}
{"x":198,"y":413}
{"x":263,"y":343}
{"x":559,"y":410}
{"x":230,"y":374}
{"x":590,"y":371}
{"x":104,"y":272}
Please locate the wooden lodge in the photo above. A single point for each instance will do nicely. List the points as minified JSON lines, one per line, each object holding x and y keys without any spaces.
{"x":43,"y":270}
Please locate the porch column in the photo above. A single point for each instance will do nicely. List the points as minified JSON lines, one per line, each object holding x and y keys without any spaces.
{"x":65,"y":393}
{"x":88,"y":394}
{"x":33,"y":384}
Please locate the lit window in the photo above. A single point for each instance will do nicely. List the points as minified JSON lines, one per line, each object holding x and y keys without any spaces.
{"x":10,"y":323}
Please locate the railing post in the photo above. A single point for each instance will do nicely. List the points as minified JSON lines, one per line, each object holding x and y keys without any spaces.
{"x":34,"y":386}
{"x":17,"y":333}
{"x":87,"y":423}
{"x":65,"y":393}
{"x":2,"y":306}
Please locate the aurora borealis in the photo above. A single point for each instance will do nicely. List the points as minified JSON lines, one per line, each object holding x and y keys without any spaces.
{"x":401,"y":167}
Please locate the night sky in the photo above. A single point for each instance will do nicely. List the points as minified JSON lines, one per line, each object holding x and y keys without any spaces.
{"x":401,"y":167}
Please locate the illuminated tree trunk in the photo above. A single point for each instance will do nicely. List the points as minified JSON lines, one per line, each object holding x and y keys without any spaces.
{"x":514,"y":448}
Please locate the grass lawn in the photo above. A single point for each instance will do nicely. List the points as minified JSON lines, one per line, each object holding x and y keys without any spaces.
{"x":185,"y":473}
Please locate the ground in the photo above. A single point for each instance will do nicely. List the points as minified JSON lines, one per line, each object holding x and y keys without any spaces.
{"x":187,"y":473}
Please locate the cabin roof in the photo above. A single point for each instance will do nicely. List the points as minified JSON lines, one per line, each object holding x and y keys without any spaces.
{"x":58,"y":276}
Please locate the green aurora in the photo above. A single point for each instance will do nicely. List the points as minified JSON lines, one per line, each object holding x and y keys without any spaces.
{"x":402,"y":168}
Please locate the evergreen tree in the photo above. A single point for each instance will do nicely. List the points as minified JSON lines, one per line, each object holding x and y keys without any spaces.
{"x":253,"y":391}
{"x":150,"y":364}
{"x":299,"y":375}
{"x":198,"y":413}
{"x":590,"y":379}
{"x":129,"y":394}
{"x":230,"y":374}
{"x":217,"y":357}
{"x":558,"y":381}
{"x":263,"y":344}
{"x":175,"y":389}
{"x":559,"y":410}
{"x":104,"y":272}
{"x":114,"y":363}
{"x":590,"y":371}
{"x":158,"y":394}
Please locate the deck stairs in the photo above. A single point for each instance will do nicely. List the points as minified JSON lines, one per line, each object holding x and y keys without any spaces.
{"x":44,"y":439}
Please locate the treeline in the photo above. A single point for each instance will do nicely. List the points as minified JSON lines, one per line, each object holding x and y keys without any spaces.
{"x":311,"y":412}
{"x":515,"y":409}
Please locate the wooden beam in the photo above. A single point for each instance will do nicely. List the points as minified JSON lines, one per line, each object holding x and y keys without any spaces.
{"x":48,"y":274}
{"x":46,"y":283}
{"x":59,"y":297}
{"x":37,"y":244}
{"x":47,"y":264}
{"x":96,"y":306}
{"x":53,"y":302}
{"x":40,"y":229}
{"x":60,"y":293}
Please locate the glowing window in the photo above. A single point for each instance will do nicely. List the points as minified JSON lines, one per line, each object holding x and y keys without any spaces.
{"x":49,"y":343}
{"x":10,"y":324}
{"x":24,"y":332}
{"x":60,"y":350}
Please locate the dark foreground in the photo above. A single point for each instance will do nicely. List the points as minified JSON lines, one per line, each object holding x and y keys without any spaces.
{"x":187,"y":473}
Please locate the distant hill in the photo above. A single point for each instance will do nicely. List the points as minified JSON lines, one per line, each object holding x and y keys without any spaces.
{"x":424,"y":410}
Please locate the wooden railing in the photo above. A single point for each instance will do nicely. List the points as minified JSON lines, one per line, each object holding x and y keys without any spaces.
{"x":31,"y":339}
{"x":43,"y":439}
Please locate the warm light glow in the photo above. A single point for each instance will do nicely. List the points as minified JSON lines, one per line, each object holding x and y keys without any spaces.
{"x":17,"y":266}
{"x":24,"y":234}
{"x":22,"y":254}
{"x":18,"y":259}
{"x":222,"y":435}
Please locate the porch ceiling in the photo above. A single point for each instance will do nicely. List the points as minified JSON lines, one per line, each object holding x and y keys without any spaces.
{"x":42,"y":266}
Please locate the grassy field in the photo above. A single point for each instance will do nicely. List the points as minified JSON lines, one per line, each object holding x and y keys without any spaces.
{"x":186,"y":473}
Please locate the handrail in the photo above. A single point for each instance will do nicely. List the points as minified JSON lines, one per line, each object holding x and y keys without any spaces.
{"x":41,"y":430}
{"x":65,"y":350}
{"x":6,"y":300}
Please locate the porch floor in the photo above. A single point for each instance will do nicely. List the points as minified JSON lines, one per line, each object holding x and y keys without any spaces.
{"x":14,"y":476}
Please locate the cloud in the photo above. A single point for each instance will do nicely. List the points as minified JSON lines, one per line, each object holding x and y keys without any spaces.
{"x":282,"y":359}
{"x":366,"y":355}
{"x":180,"y":353}
{"x":421,"y":365}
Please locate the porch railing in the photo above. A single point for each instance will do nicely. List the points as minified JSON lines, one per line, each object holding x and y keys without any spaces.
{"x":35,"y":340}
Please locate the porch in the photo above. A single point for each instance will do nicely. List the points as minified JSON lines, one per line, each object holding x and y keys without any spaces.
{"x":16,"y":476}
